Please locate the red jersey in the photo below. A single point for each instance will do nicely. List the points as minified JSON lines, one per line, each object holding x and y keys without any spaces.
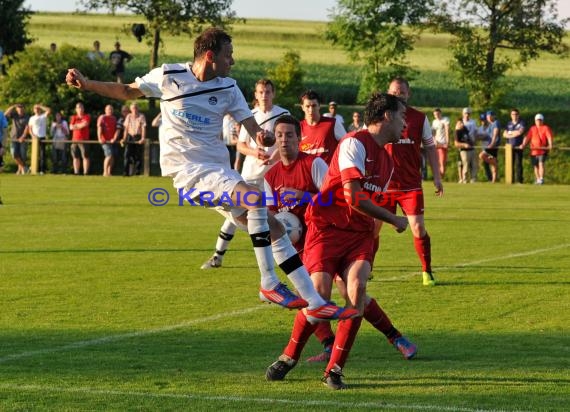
{"x":360,"y":158}
{"x":406,"y":152}
{"x":108,"y":127}
{"x":319,"y":139}
{"x":539,"y":136}
{"x":83,"y":133}
{"x":303,"y":175}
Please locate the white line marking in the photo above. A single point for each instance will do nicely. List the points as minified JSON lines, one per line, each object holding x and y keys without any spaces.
{"x":270,"y":401}
{"x":478,"y":262}
{"x":511,"y":255}
{"x":114,"y":338}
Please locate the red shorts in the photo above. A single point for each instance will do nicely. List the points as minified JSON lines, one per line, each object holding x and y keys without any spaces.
{"x":412,"y":202}
{"x":333,"y":250}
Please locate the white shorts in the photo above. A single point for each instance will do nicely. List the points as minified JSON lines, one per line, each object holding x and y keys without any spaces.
{"x":218,"y":182}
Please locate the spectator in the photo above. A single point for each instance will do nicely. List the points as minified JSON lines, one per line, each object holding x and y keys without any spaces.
{"x":18,"y":132}
{"x":320,"y":134}
{"x":471,"y":126}
{"x":440,"y":131}
{"x":3,"y":126}
{"x":107,"y":133}
{"x":356,"y":124}
{"x":464,"y":142}
{"x":491,"y":149}
{"x":38,"y":130}
{"x":59,"y":133}
{"x":53,"y":47}
{"x":118,"y":58}
{"x":540,"y":138}
{"x":514,"y":133}
{"x":134,"y":135}
{"x":79,"y":126}
{"x":334,"y":114}
{"x":96,"y":53}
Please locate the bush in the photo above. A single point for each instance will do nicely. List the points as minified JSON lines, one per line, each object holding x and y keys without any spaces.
{"x":38,"y":76}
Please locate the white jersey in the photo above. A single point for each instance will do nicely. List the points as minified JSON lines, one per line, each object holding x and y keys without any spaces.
{"x":192,"y":116}
{"x":253,"y":170}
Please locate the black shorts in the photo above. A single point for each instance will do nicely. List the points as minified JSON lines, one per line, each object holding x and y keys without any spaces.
{"x":492,"y":152}
{"x":535,"y":160}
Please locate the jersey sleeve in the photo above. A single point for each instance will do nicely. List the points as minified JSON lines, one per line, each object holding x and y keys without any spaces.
{"x":351,"y":159}
{"x":150,"y":83}
{"x":238,"y":107}
{"x":339,"y":130}
{"x":427,"y":137}
{"x":319,"y":170}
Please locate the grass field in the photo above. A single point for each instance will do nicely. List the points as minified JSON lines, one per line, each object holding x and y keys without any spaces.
{"x":103,"y":307}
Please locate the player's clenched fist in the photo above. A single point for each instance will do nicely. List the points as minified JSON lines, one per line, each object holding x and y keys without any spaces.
{"x":401,"y":224}
{"x":265,"y":138}
{"x":74,"y":78}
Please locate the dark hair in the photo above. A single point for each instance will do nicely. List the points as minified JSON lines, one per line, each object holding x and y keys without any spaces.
{"x":310,"y":95}
{"x":211,"y":39}
{"x":288,"y":119}
{"x":514,"y":109}
{"x":378,"y":105}
{"x":265,"y":82}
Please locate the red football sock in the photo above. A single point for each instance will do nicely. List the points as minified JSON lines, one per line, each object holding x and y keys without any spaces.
{"x":423,"y":249}
{"x":324,"y":333}
{"x":345,"y":336}
{"x":302,"y":330}
{"x":374,"y":314}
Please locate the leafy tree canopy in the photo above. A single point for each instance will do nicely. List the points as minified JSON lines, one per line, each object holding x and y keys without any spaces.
{"x":13,"y":21}
{"x":492,"y":37}
{"x":372,"y":33}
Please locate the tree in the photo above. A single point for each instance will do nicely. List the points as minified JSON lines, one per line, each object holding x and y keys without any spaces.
{"x":288,"y":79}
{"x":171,"y":16}
{"x":13,"y":21}
{"x":372,"y":32}
{"x":492,"y":37}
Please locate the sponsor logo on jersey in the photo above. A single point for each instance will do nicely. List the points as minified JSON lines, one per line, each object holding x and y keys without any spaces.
{"x":213,"y":100}
{"x":405,"y":141}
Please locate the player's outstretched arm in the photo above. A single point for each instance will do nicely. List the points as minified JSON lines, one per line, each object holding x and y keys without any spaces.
{"x":113,"y":90}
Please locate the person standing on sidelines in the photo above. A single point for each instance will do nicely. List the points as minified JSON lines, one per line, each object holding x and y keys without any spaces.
{"x":470,"y":156}
{"x":514,"y":133}
{"x":194,"y":99}
{"x":334,"y":113}
{"x":18,"y":132}
{"x":340,"y":236}
{"x":107,"y":133}
{"x":3,"y":126}
{"x":79,"y":126}
{"x":38,"y":126}
{"x":320,"y":134}
{"x":406,"y":184}
{"x":540,"y":138}
{"x":440,"y":129}
{"x":258,"y":159}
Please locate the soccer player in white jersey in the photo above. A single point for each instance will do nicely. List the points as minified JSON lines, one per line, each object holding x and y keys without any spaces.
{"x":257,"y":161}
{"x":194,"y":99}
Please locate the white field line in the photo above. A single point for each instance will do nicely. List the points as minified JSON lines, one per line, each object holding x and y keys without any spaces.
{"x":491,"y":259}
{"x":115,"y":338}
{"x":240,"y":399}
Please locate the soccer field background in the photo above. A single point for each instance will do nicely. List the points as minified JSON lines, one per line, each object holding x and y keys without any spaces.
{"x":103,"y":306}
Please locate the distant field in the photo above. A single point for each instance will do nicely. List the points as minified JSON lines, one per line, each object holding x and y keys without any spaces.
{"x":103,"y":307}
{"x":259,"y":44}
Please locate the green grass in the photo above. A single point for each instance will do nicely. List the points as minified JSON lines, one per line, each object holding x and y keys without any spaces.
{"x":104,"y":308}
